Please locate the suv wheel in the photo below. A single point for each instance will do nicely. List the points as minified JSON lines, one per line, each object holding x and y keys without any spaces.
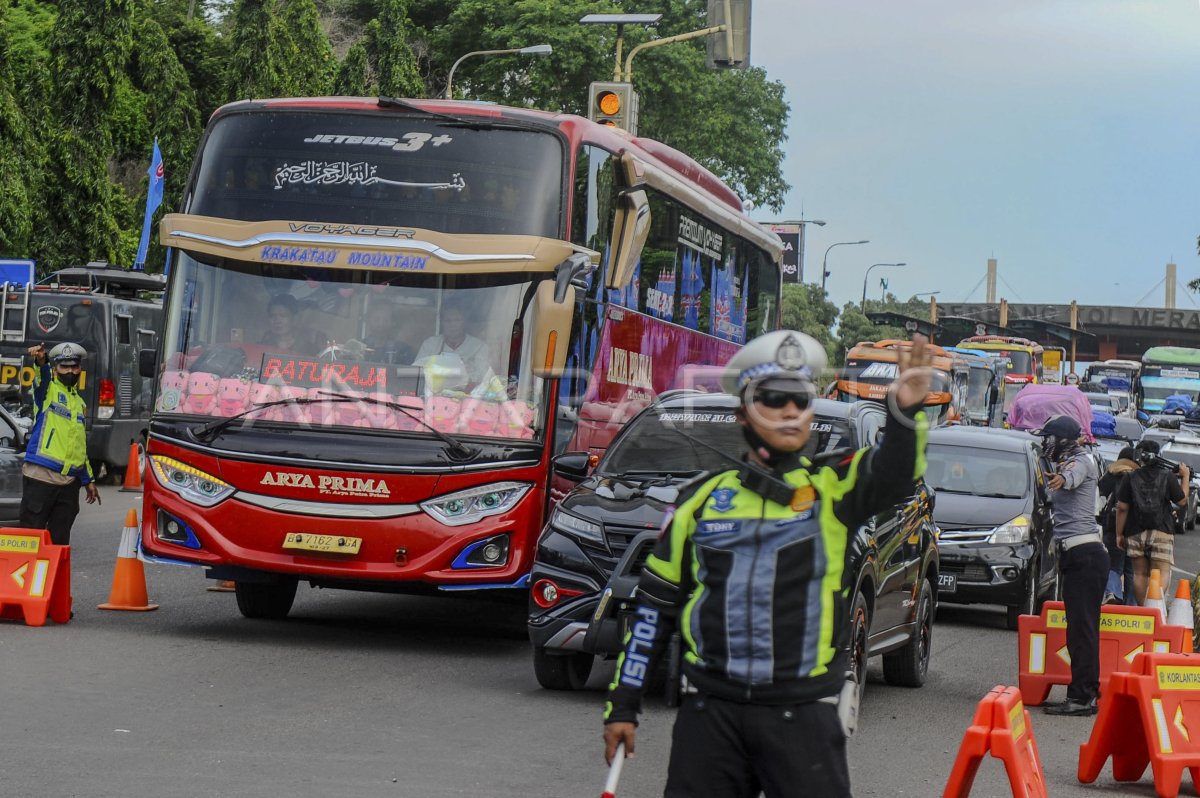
{"x":561,"y":671}
{"x":1030,"y":601}
{"x":908,"y":666}
{"x":860,"y":629}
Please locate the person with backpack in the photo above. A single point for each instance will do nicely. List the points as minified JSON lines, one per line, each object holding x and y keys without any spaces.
{"x":1145,"y":524}
{"x":1110,"y":482}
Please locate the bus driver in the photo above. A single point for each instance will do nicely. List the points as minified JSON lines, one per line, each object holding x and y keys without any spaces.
{"x":455,"y":340}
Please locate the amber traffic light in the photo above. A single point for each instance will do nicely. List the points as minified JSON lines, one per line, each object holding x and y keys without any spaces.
{"x":614,"y":104}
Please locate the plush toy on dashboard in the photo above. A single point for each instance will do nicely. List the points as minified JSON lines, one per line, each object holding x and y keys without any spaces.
{"x":260,"y":394}
{"x":479,"y":417}
{"x":296,"y":413}
{"x":378,"y":415}
{"x":322,"y":409}
{"x":201,"y":393}
{"x":441,"y":413}
{"x":172,"y":391}
{"x":517,"y":420}
{"x":233,"y":396}
{"x":416,"y":413}
{"x":348,"y":412}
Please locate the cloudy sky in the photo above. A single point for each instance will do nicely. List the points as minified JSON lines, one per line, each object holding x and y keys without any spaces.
{"x":1061,"y":137}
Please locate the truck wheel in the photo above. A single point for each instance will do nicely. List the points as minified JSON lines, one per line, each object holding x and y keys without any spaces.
{"x":267,"y":601}
{"x":561,"y":671}
{"x":908,"y":666}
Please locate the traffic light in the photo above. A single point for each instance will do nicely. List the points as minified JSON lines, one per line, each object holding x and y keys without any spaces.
{"x":729,"y":51}
{"x":613,"y":103}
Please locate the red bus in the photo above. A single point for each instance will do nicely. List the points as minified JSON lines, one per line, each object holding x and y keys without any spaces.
{"x":385,"y":318}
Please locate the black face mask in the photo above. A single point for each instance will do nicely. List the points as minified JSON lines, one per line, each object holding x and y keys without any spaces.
{"x":68,"y":379}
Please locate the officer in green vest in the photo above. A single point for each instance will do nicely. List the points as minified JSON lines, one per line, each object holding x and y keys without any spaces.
{"x":56,"y":461}
{"x":750,"y":568}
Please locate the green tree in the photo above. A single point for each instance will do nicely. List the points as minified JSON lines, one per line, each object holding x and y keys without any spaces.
{"x":807,"y":308}
{"x":854,"y":326}
{"x":20,"y":167}
{"x":89,"y":49}
{"x":353,"y":74}
{"x":310,"y":63}
{"x":397,"y":74}
{"x":260,"y":50}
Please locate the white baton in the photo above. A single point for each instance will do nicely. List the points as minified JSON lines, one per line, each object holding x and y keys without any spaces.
{"x":614,"y":773}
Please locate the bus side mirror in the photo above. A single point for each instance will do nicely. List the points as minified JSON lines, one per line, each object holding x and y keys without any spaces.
{"x":631,"y":228}
{"x":146,"y":362}
{"x":552,"y":319}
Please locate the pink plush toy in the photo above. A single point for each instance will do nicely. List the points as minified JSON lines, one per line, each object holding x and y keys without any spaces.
{"x":348,"y":412}
{"x":518,"y":418}
{"x":441,"y":413}
{"x":479,"y":417}
{"x":297,"y":414}
{"x":379,"y":416}
{"x":415,"y":407}
{"x":201,"y":393}
{"x":172,"y":390}
{"x":233,"y":396}
{"x":260,"y":394}
{"x":323,"y":411}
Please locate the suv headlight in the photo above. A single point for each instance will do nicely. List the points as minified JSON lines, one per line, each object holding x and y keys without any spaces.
{"x":191,"y":483}
{"x":468,"y":506}
{"x":1012,"y":532}
{"x":577,"y":527}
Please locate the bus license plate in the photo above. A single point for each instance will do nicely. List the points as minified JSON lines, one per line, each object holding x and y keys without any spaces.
{"x":947,"y":583}
{"x":331,"y":544}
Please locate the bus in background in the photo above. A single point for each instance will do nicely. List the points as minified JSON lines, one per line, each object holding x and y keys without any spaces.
{"x":1054,"y":359}
{"x":1119,"y":377}
{"x":1024,"y":358}
{"x":985,"y":386}
{"x":1167,"y":371}
{"x":871,"y":367}
{"x":386,"y":317}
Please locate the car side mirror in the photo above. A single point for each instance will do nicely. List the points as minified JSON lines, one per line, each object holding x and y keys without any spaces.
{"x":146,"y":358}
{"x":572,"y":465}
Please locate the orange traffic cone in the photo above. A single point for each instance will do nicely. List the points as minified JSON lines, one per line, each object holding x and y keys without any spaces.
{"x":1181,"y":613}
{"x":129,"y":578}
{"x":222,"y":586}
{"x":133,"y":471}
{"x":1154,"y":598}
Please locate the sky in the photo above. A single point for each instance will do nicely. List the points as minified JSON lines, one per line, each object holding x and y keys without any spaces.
{"x":1061,"y":137}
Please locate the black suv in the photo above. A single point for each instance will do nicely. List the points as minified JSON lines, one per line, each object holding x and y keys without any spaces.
{"x":590,"y":555}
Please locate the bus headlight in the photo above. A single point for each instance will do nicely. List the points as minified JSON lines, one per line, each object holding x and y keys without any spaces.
{"x":191,"y":483}
{"x":468,"y":506}
{"x":1014,"y":532}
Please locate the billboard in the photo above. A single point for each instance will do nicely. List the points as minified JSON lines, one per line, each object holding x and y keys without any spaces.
{"x":792,"y":236}
{"x":17,"y":271}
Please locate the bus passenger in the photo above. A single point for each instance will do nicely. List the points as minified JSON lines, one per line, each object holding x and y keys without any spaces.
{"x":455,"y":340}
{"x":282,"y":332}
{"x":383,"y":346}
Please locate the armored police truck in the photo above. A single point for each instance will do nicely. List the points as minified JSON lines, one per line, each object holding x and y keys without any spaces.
{"x":113,"y":313}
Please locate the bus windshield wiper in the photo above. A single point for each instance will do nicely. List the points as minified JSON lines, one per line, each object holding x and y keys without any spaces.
{"x":457,"y":448}
{"x":206,"y":432}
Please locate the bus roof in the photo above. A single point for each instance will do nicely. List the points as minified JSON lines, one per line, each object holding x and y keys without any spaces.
{"x":888,"y":349}
{"x":1171,"y":355}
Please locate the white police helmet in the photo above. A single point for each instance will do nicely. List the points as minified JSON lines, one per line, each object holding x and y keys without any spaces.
{"x":784,"y":359}
{"x":67,"y":354}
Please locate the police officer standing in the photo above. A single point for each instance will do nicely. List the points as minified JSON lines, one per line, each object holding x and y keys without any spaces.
{"x":1082,"y":559}
{"x":56,"y":461}
{"x":751,"y":569}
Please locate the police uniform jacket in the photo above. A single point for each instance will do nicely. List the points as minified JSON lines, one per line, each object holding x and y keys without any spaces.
{"x":58,"y":440}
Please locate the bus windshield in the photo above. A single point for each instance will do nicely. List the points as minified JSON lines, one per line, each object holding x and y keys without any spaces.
{"x":375,"y":169}
{"x":1019,"y":361}
{"x":448,"y":350}
{"x":979,"y":384}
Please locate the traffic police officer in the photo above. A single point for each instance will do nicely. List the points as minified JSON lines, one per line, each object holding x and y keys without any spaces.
{"x":751,"y":569}
{"x":56,"y":461}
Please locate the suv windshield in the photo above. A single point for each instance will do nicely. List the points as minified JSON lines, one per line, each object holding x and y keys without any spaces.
{"x":449,"y":349}
{"x":975,"y":471}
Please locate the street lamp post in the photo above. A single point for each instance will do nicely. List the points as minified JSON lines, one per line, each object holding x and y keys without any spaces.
{"x":536,"y":49}
{"x":825,"y":260}
{"x":863,"y":304}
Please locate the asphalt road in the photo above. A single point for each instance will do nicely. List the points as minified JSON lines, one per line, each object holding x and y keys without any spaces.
{"x":375,"y":695}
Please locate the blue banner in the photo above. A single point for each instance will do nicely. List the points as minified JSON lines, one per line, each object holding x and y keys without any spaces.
{"x":154,"y":196}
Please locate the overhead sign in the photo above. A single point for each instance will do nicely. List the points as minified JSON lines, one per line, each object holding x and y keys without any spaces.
{"x":792,"y":236}
{"x":16,"y":271}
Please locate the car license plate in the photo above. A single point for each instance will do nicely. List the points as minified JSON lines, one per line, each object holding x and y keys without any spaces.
{"x":947,"y":583}
{"x":330,"y":544}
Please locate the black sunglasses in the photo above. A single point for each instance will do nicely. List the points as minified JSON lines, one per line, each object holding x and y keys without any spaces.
{"x":779,"y":399}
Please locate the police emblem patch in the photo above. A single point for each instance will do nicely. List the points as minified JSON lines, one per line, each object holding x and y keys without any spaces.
{"x":723,"y":499}
{"x":803,"y":498}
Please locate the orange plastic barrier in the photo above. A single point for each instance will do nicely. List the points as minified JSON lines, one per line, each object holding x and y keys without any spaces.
{"x":1147,"y":717}
{"x":1001,"y":726}
{"x":35,"y":577}
{"x":1125,"y":632}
